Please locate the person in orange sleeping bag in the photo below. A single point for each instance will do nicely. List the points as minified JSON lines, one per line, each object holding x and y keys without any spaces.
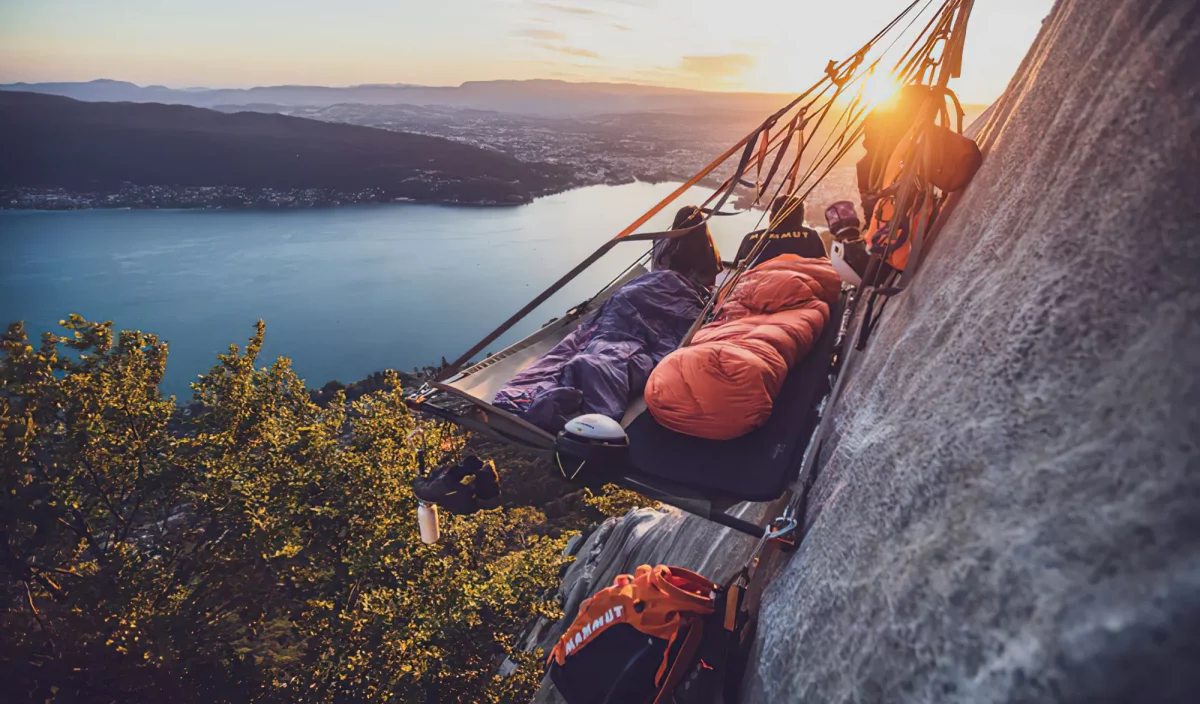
{"x":724,"y":383}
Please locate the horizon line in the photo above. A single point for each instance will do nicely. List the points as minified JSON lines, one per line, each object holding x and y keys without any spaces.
{"x":401,"y":86}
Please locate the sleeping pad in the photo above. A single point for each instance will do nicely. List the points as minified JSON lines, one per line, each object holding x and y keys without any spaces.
{"x":724,"y":383}
{"x":605,"y":361}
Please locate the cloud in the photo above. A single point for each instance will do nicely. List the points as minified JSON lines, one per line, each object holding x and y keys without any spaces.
{"x":573,"y":51}
{"x":569,"y":9}
{"x":546,"y":35}
{"x":717,"y":66}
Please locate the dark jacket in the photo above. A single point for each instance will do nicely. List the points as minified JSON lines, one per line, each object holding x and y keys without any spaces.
{"x":804,"y":242}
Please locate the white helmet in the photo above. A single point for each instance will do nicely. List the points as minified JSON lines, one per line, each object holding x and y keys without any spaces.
{"x":837,"y":255}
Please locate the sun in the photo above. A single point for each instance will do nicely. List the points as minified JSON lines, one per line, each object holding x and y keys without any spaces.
{"x":878,"y":88}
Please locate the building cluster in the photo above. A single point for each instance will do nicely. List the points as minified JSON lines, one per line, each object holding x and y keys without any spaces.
{"x":233,"y":197}
{"x":605,"y":149}
{"x":602,"y":149}
{"x":136,"y":196}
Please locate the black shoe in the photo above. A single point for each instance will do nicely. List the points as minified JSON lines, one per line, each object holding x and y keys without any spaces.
{"x":487,"y":486}
{"x":446,"y":486}
{"x":462,"y":503}
{"x":443,"y":483}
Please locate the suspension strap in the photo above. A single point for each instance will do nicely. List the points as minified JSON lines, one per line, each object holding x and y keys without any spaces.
{"x":791,"y":131}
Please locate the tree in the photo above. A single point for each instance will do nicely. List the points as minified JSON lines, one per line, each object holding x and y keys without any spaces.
{"x":258,"y":547}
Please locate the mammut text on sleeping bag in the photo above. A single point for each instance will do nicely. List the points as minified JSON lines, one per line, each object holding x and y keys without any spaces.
{"x":724,"y":384}
{"x":606,"y":360}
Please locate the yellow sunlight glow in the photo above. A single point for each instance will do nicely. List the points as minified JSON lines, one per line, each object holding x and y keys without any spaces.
{"x":878,"y":88}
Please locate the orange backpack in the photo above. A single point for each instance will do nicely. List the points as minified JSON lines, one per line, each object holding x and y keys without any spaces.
{"x":660,"y":633}
{"x":945,"y":159}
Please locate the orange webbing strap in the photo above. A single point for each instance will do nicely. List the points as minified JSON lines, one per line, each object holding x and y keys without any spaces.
{"x":952,"y":57}
{"x":727,"y":183}
{"x":664,"y":235}
{"x":554,"y":288}
{"x":796,"y":164}
{"x":683,"y":662}
{"x":712,"y":165}
{"x":744,"y":163}
{"x":762,"y":158}
{"x":780,"y":154}
{"x":733,"y":601}
{"x":910,"y":194}
{"x":958,"y":109}
{"x":726,"y":186}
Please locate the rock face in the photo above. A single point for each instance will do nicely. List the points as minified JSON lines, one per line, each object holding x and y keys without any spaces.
{"x":1009,"y":508}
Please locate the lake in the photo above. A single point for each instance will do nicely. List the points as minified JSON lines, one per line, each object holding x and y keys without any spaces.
{"x":344,"y":291}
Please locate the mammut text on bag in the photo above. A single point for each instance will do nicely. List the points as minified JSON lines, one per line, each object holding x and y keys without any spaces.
{"x":639,"y":640}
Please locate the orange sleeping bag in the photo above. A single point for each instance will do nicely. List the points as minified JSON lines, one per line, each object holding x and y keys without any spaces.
{"x":724,"y":383}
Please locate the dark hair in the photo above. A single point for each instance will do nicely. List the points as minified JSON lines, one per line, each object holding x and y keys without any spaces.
{"x":694,"y":255}
{"x":687,"y":216}
{"x":794,"y":220}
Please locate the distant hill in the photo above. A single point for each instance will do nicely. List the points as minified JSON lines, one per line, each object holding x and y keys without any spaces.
{"x":54,"y":142}
{"x":533,"y":97}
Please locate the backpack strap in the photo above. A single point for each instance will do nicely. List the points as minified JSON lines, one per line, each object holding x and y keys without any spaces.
{"x":684,"y":660}
{"x":957,"y":107}
{"x":715,"y":672}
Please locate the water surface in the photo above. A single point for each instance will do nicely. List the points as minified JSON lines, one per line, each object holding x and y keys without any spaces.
{"x":344,"y":291}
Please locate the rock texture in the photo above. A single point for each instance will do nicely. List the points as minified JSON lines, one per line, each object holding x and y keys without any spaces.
{"x":1009,"y":509}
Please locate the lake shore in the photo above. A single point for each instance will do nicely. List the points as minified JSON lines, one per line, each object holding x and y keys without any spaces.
{"x":344,"y":291}
{"x":235,"y":198}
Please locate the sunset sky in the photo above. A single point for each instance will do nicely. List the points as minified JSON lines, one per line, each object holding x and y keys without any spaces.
{"x":758,"y":45}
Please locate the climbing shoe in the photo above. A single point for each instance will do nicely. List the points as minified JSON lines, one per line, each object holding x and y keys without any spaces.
{"x":487,"y":486}
{"x":461,"y":488}
{"x":443,"y":483}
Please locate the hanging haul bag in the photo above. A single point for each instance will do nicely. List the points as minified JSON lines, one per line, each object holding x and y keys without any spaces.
{"x":953,"y":159}
{"x":660,"y":635}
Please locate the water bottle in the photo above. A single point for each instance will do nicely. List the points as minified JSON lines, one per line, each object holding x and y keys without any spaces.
{"x":427,"y":521}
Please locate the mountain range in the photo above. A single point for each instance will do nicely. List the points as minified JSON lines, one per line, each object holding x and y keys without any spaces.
{"x":55,"y":142}
{"x":533,"y":97}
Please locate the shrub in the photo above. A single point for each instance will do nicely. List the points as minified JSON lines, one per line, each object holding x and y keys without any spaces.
{"x":257,"y":546}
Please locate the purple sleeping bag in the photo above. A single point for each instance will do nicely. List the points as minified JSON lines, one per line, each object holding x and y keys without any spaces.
{"x":606,"y":360}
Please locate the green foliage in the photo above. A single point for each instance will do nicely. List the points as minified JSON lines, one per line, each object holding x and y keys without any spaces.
{"x":261,"y":548}
{"x":613,"y":501}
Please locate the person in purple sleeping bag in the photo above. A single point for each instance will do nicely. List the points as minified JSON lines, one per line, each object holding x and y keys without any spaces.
{"x":605,"y":362}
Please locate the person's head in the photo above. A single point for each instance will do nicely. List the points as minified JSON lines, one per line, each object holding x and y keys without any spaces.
{"x":791,"y":210}
{"x":687,"y":216}
{"x":843,"y":221}
{"x":694,"y":254}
